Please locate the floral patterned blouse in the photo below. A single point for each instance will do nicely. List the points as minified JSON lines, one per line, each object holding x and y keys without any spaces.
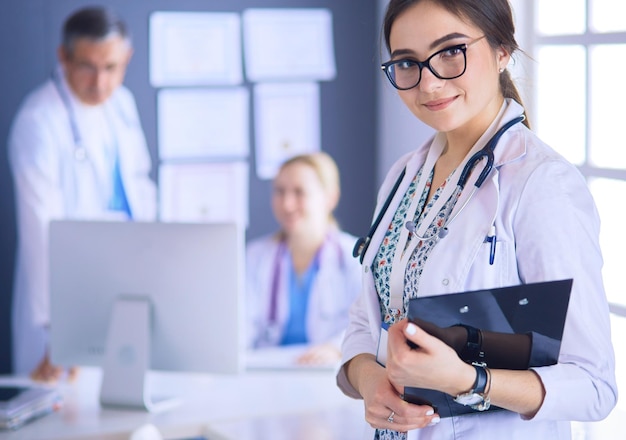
{"x":381,"y":266}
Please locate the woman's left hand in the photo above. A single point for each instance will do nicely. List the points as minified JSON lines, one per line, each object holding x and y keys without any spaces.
{"x":433,"y":364}
{"x":321,"y":354}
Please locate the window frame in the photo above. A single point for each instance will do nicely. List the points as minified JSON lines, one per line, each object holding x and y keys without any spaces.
{"x":530,"y":40}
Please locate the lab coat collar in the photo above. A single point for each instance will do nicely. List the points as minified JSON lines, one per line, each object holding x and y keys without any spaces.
{"x":513,"y":150}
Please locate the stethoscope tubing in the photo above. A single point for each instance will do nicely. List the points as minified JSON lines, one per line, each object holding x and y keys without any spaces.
{"x":487,"y":153}
{"x":65,"y":99}
{"x":363,"y":242}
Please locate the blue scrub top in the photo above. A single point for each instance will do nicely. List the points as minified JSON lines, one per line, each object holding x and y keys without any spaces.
{"x":299,"y":292}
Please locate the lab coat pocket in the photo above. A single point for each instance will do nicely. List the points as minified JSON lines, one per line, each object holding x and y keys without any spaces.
{"x":491,"y":265}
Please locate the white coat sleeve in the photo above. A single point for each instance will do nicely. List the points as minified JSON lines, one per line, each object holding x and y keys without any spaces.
{"x":34,"y":161}
{"x":557,"y":236}
{"x":260,"y":257}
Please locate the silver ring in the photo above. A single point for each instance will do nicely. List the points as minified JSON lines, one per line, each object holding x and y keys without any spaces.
{"x":390,"y":418}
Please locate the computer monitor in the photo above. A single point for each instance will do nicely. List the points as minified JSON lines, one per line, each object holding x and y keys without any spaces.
{"x":137,"y":296}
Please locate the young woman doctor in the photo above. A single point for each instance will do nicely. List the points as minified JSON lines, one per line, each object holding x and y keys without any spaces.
{"x":302,"y":279}
{"x":448,"y":61}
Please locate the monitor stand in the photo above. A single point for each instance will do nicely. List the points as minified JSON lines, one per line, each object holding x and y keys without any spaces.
{"x":127,"y":358}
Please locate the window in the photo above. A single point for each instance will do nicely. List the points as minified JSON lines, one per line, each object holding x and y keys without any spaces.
{"x":579,"y":61}
{"x":578,"y":106}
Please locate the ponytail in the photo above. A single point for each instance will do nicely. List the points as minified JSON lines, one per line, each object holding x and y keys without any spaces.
{"x":509,"y":90}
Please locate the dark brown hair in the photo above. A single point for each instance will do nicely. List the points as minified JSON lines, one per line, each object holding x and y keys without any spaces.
{"x":493,"y":17}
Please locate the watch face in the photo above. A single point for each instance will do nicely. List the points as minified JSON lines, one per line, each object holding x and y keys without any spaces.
{"x":469,"y":399}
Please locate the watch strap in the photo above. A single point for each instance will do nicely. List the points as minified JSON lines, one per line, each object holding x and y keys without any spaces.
{"x":483,"y":378}
{"x":480,"y":384}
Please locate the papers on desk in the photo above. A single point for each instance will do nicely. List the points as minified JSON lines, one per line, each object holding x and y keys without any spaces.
{"x":282,"y":358}
{"x":20,"y":404}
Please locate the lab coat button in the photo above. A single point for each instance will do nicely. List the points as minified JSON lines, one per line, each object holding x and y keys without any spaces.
{"x":80,"y":154}
{"x":445,"y":281}
{"x":366,"y":269}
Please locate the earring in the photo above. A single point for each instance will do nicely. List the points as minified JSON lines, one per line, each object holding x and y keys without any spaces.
{"x":501,"y":69}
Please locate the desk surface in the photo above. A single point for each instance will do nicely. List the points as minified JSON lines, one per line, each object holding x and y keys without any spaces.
{"x":282,"y":405}
{"x":289,"y":404}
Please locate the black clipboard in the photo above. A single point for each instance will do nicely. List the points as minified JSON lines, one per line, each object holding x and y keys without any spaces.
{"x":536,"y":309}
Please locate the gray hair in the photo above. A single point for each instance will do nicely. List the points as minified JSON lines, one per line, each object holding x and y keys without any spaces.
{"x":94,"y":23}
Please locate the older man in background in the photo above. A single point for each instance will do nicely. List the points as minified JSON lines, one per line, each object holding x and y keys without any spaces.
{"x":76,"y":151}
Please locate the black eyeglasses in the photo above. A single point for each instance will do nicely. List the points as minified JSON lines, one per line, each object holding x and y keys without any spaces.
{"x":447,"y":63}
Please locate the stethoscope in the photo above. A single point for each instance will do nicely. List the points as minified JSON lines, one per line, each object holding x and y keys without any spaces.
{"x":80,"y":152}
{"x":273,"y":326}
{"x":360,"y":248}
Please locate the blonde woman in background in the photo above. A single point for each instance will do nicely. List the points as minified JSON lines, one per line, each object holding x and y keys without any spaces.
{"x":302,"y":279}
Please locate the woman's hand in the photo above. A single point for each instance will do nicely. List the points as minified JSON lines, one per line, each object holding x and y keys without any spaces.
{"x":432,"y":364}
{"x":384,"y":408}
{"x":321,"y":354}
{"x":48,"y":373}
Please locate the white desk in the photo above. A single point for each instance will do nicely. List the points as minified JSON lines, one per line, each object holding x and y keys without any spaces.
{"x":253,"y":406}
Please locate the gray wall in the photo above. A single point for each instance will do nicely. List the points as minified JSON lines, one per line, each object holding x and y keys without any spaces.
{"x":29,"y":35}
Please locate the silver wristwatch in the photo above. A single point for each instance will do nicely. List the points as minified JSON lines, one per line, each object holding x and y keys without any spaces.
{"x":476,"y":398}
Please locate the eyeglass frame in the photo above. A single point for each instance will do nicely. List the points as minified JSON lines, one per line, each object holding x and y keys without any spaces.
{"x":426,"y":63}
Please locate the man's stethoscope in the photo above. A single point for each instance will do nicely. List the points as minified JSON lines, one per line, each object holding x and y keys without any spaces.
{"x":485,"y":153}
{"x":80,"y":151}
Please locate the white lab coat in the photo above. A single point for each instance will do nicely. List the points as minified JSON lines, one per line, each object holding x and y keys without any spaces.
{"x":51,"y":183}
{"x":547,"y":228}
{"x":336,"y":286}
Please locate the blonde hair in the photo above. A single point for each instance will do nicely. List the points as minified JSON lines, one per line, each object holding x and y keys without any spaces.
{"x":326,"y":170}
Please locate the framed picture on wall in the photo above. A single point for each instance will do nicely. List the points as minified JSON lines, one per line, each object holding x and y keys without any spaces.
{"x":288,"y":44}
{"x":286,"y":123}
{"x":202,"y":123}
{"x":195,"y":48}
{"x":204,"y":192}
